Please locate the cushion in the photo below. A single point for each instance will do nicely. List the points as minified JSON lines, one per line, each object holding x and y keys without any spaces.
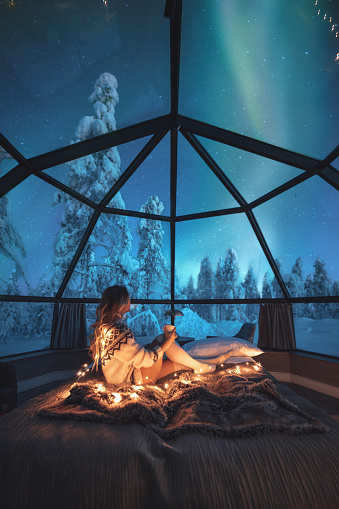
{"x":213,"y":347}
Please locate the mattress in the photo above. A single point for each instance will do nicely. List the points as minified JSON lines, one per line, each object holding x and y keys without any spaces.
{"x":59,"y":463}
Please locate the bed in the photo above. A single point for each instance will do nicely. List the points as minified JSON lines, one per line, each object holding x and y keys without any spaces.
{"x":235,"y":438}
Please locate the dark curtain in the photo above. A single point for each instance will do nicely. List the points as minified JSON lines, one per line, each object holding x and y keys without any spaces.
{"x":276,"y":327}
{"x":70,"y":329}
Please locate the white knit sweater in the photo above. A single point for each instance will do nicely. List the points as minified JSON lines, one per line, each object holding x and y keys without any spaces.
{"x":122,"y":357}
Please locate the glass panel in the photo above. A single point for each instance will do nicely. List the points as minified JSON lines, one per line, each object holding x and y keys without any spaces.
{"x":93,"y":176}
{"x":145,"y":320}
{"x":54,"y":53}
{"x":198,"y":189}
{"x":253,"y":175}
{"x":301,"y":229}
{"x":336,"y":163}
{"x":25,"y":327}
{"x":264,"y":69}
{"x":128,"y":251}
{"x":151,"y":178}
{"x":202,"y":320}
{"x":40,"y":240}
{"x":317,"y":327}
{"x":7,"y":163}
{"x":219,"y":258}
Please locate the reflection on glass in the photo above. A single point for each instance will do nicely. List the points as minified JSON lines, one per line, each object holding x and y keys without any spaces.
{"x":152,"y":178}
{"x":198,"y":189}
{"x":40,"y":239}
{"x":128,"y":251}
{"x":300,"y":227}
{"x":55,"y":52}
{"x":317,"y":327}
{"x":220,"y":258}
{"x":25,"y":327}
{"x":254,"y":69}
{"x":253,"y":175}
{"x":94,"y":175}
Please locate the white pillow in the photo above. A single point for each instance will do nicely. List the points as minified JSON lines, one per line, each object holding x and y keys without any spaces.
{"x":213,"y":347}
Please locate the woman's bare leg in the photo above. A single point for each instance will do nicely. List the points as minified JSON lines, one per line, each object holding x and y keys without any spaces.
{"x":159,"y":369}
{"x":162,"y":367}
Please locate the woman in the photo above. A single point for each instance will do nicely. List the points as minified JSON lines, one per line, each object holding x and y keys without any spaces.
{"x":123,"y":360}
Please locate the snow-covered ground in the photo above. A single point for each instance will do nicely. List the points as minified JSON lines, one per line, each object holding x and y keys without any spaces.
{"x":319,"y":336}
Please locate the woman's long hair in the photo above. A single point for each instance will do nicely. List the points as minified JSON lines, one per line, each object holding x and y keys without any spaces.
{"x":113,"y":300}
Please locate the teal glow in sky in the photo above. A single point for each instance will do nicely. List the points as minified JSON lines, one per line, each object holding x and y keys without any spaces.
{"x":266,"y":69}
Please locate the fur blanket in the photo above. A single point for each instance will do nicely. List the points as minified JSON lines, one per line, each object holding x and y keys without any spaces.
{"x":218,"y":405}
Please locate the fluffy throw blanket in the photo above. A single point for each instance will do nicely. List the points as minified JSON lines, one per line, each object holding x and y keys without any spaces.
{"x":218,"y":405}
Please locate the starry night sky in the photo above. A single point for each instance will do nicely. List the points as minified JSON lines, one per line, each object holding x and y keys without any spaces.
{"x":264,"y":69}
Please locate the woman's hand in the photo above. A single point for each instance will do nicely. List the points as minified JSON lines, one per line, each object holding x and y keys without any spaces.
{"x":170,"y":337}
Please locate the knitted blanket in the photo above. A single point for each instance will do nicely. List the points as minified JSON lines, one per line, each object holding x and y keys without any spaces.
{"x":218,"y":405}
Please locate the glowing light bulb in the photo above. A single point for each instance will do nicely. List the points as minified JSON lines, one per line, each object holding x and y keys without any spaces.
{"x":117,"y":397}
{"x":166,"y":386}
{"x":134,"y":395}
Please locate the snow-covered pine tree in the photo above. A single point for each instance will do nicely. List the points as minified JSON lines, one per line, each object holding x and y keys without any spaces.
{"x":251,"y":292}
{"x":189,"y":290}
{"x":219,"y":289}
{"x":275,"y":285}
{"x":266,"y":292}
{"x":11,"y":243}
{"x":13,"y":316}
{"x":227,"y":284}
{"x":334,"y":306}
{"x":93,"y":176}
{"x":153,"y":270}
{"x":307,"y":308}
{"x":205,"y":290}
{"x":295,"y":284}
{"x":322,"y":287}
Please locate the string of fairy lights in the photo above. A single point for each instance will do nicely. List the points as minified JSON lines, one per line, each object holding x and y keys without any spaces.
{"x":333,"y":25}
{"x":244,"y":370}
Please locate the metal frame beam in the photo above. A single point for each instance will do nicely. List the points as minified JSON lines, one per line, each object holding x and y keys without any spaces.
{"x":250,"y":144}
{"x":81,"y":149}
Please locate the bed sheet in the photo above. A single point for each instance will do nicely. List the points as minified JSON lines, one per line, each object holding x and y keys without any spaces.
{"x":60,"y":464}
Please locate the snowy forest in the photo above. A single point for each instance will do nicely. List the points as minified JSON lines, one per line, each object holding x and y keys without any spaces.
{"x":109,"y":257}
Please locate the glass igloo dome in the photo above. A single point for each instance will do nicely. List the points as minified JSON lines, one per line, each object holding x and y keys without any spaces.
{"x":185,"y":149}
